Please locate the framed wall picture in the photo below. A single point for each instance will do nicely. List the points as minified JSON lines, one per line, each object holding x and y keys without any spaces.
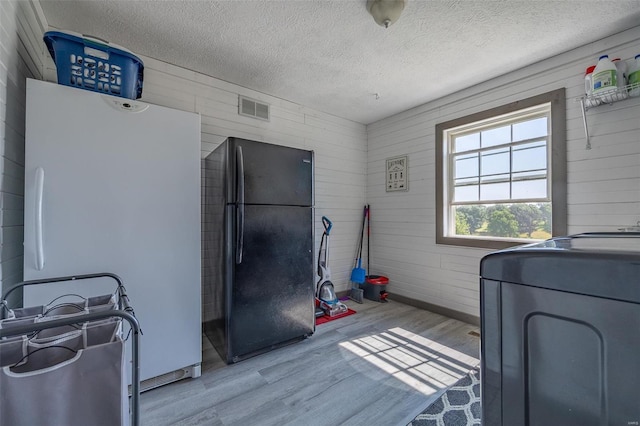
{"x":397,"y":174}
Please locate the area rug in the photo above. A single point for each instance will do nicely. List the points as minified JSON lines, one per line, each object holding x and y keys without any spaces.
{"x":327,"y":318}
{"x":458,"y":406}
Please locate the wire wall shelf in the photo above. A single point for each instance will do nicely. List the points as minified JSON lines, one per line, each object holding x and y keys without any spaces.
{"x":607,"y":97}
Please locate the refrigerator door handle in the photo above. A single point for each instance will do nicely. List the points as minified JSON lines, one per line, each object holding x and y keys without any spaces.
{"x":38,"y":228}
{"x":239,"y":204}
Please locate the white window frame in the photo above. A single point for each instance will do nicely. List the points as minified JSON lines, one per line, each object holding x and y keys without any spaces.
{"x":551,"y":105}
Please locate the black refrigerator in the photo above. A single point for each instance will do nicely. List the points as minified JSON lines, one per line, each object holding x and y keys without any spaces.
{"x":258,"y":274}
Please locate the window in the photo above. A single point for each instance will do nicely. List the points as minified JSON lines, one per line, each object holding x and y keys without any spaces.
{"x":501,"y":174}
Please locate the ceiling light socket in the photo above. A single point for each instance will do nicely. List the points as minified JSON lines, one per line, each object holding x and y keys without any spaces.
{"x":385,"y":12}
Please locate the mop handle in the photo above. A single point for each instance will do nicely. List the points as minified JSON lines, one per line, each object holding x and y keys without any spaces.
{"x":368,"y":238}
{"x":327,"y":224}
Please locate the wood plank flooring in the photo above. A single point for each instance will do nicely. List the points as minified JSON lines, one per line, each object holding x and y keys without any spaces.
{"x":381,"y":366}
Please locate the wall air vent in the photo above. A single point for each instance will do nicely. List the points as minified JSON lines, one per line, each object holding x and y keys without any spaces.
{"x":253,"y":108}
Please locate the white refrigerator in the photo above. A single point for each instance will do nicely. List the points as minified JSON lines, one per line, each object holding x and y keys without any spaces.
{"x":113,"y":185}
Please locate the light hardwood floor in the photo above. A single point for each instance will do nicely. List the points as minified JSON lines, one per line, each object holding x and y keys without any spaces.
{"x":381,"y":366}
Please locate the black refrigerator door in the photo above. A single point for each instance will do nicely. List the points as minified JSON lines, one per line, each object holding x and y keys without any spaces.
{"x":273,"y":174}
{"x":272,"y":294}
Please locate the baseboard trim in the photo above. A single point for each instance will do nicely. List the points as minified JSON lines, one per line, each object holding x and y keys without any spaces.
{"x":451,"y":313}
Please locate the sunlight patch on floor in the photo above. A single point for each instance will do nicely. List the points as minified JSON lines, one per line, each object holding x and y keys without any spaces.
{"x":421,"y":363}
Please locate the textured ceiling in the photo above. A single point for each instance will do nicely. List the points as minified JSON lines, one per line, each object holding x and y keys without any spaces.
{"x":330,"y":55}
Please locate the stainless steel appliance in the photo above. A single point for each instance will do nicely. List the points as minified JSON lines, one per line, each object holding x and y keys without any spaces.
{"x":258,"y":243}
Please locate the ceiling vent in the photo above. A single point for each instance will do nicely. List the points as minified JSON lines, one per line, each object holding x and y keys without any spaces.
{"x":253,"y":108}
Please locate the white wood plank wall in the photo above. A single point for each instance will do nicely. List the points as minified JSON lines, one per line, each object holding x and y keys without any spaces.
{"x":21,"y":56}
{"x":603,"y":183}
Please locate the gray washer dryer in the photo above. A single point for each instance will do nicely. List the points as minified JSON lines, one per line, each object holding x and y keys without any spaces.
{"x":561,"y":332}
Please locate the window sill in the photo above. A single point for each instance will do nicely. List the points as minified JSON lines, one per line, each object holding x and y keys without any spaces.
{"x":482,"y":242}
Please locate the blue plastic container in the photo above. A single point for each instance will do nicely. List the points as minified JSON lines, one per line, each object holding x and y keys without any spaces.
{"x":95,"y":65}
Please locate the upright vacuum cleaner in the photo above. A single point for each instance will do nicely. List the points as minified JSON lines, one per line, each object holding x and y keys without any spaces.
{"x":327,"y":301}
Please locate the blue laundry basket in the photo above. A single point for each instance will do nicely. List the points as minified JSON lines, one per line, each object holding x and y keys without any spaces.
{"x":93,"y":64}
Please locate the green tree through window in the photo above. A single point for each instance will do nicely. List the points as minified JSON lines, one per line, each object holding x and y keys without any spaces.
{"x":502,"y":223}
